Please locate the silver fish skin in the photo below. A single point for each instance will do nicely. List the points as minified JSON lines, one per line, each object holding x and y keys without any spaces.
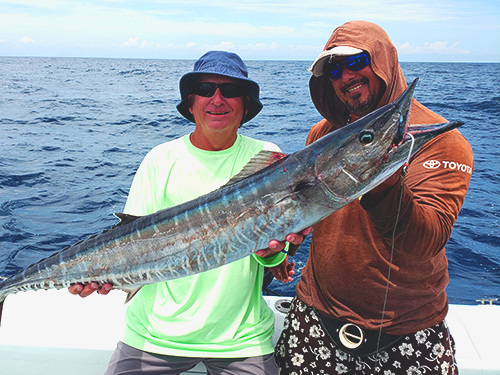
{"x":242,"y":216}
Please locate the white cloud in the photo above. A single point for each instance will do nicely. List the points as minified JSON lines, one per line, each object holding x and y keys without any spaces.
{"x":27,"y":40}
{"x":191,"y":49}
{"x":427,"y":48}
{"x":267,"y":28}
{"x":131,"y":42}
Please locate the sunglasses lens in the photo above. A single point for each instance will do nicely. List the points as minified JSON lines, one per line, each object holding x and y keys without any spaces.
{"x":354,"y":63}
{"x":334,"y":70}
{"x":357,"y":62}
{"x":227,"y":90}
{"x":205,"y":89}
{"x":231,"y":90}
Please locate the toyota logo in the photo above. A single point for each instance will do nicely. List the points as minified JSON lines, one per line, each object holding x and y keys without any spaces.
{"x":432,"y":164}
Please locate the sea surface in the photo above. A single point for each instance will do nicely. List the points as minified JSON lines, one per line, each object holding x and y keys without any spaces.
{"x":74,"y":130}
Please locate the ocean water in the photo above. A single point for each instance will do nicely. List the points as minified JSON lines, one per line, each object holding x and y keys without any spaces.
{"x":73,"y":132}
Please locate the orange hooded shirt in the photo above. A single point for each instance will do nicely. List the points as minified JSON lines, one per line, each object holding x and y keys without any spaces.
{"x":346,"y":274}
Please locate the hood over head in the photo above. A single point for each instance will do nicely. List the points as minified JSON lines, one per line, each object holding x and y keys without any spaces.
{"x":365,"y":36}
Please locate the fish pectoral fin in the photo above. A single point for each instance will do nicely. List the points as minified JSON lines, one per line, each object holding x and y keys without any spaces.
{"x":302,"y":185}
{"x":131,"y":293}
{"x":125,"y":218}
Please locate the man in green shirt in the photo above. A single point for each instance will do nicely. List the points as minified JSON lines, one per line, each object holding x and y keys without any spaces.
{"x":217,"y":317}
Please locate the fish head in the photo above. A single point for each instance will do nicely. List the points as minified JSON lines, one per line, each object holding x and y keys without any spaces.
{"x":366,"y":152}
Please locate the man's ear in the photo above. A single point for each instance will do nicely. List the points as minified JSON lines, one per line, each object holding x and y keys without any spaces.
{"x":247,"y":104}
{"x":190,"y":101}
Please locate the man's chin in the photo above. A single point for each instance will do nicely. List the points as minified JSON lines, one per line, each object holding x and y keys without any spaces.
{"x":220,"y":125}
{"x":360,"y":108}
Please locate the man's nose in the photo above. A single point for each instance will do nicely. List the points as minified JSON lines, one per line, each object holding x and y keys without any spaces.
{"x":348,"y":74}
{"x":218,"y":97}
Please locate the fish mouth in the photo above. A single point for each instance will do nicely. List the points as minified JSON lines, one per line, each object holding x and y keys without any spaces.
{"x":415,"y":133}
{"x":432,"y":130}
{"x":404,"y":105}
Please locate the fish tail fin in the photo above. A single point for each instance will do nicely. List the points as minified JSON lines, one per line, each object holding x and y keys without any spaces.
{"x":1,"y":308}
{"x":3,"y":295}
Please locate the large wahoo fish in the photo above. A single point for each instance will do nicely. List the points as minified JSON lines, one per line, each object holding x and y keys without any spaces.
{"x":232,"y":222}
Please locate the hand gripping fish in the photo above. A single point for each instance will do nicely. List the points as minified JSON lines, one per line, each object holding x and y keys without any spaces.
{"x":281,"y":197}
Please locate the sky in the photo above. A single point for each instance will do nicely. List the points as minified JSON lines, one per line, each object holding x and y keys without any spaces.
{"x":421,"y":30}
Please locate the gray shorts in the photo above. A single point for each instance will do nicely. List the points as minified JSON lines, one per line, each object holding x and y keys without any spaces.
{"x":131,"y":361}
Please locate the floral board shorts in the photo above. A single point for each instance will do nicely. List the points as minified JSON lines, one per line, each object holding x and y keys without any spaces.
{"x":305,"y":349}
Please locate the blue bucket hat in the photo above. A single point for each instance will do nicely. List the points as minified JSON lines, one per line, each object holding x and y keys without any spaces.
{"x":225,"y":64}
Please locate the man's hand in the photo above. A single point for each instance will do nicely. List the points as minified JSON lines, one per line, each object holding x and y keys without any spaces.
{"x":284,"y":271}
{"x":87,"y":290}
{"x":378,"y":193}
{"x":276,"y":246}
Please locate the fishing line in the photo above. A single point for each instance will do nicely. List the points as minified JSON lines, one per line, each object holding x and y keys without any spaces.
{"x":403,"y":175}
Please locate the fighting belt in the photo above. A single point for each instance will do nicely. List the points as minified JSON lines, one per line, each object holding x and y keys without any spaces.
{"x":354,"y":339}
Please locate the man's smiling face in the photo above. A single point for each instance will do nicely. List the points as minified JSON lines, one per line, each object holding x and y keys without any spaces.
{"x":216,"y":113}
{"x":359,"y":90}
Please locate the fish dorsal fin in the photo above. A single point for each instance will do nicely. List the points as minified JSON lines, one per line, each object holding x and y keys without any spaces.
{"x":258,"y":162}
{"x":125,"y":218}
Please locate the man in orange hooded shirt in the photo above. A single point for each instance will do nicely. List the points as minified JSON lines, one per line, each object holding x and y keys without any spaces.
{"x":371,"y":298}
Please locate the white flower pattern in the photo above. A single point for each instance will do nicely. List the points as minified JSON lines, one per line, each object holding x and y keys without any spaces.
{"x":297,"y":359}
{"x":406,"y":349}
{"x":438,"y":350}
{"x":324,"y":352}
{"x":315,"y":331}
{"x":304,"y":349}
{"x":292,"y":342}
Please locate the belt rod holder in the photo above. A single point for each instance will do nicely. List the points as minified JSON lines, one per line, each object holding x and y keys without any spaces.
{"x":351,"y":336}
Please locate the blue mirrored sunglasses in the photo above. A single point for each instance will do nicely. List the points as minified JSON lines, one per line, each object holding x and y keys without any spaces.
{"x":227,"y":90}
{"x":354,"y":63}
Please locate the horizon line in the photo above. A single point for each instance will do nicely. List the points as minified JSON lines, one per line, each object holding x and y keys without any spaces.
{"x":247,"y":59}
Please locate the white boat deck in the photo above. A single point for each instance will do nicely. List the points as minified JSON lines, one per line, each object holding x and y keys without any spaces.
{"x":55,"y":333}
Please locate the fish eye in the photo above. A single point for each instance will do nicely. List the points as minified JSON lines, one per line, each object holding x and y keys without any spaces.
{"x":366,"y":137}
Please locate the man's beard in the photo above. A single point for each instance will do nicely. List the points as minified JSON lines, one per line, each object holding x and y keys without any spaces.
{"x":361,"y":108}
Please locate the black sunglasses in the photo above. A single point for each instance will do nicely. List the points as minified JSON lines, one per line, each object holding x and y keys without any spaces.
{"x":227,"y":90}
{"x":354,"y":63}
